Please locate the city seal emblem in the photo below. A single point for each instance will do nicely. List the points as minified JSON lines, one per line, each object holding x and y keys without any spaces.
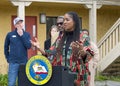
{"x":38,"y":70}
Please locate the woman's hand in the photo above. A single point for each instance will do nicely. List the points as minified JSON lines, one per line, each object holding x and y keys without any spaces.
{"x":78,"y":49}
{"x":35,"y":43}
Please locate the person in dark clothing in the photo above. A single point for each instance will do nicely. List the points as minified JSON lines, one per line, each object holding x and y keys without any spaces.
{"x":47,"y":43}
{"x":15,"y":49}
{"x":53,"y":34}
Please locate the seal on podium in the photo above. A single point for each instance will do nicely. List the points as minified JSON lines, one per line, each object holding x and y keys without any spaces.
{"x":38,"y":70}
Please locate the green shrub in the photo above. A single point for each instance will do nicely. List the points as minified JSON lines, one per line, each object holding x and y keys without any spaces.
{"x":3,"y":80}
{"x":103,"y":78}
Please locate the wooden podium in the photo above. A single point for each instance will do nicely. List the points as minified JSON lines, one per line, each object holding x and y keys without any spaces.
{"x":60,"y":77}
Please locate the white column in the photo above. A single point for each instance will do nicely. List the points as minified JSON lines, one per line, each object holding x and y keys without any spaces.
{"x":93,"y":20}
{"x":90,"y":22}
{"x":21,"y":9}
{"x":93,"y":30}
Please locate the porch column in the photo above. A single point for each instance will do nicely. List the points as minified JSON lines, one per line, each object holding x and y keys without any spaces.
{"x":21,"y":9}
{"x":93,"y":20}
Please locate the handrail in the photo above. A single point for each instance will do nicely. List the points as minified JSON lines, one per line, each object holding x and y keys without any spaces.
{"x":108,"y":43}
{"x":117,"y":23}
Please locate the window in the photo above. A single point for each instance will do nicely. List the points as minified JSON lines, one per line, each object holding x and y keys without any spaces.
{"x":50,"y":21}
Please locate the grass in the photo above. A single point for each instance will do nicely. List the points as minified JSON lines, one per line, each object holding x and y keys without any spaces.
{"x":3,"y":80}
{"x":103,"y":78}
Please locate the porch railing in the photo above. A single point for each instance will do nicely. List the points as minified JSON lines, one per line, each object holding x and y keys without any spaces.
{"x":109,"y":40}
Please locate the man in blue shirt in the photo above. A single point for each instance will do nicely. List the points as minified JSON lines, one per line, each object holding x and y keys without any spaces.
{"x":15,"y":49}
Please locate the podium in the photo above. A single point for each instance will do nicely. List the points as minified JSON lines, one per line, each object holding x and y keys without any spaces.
{"x":60,"y":77}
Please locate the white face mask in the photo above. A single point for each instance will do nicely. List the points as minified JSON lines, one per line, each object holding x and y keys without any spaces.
{"x":54,"y":32}
{"x":54,"y":35}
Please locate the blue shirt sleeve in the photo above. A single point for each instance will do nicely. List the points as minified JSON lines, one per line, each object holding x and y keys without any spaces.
{"x":26,"y":40}
{"x":6,"y":47}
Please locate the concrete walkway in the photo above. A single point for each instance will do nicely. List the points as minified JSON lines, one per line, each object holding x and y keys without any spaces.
{"x":107,"y":83}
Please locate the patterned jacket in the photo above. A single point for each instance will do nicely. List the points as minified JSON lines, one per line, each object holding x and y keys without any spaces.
{"x":76,"y":64}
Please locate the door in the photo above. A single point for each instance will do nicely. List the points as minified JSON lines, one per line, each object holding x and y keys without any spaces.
{"x":30,"y":27}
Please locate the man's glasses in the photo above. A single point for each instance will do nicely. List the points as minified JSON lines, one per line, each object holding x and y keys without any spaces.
{"x":60,"y":23}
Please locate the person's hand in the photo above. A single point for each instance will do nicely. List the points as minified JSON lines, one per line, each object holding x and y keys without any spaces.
{"x":35,"y":43}
{"x":20,"y":32}
{"x":77,"y":48}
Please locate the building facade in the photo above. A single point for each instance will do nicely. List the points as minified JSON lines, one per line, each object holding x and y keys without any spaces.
{"x":106,"y":16}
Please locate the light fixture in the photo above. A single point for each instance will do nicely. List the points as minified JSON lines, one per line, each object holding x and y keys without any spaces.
{"x":42,"y":18}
